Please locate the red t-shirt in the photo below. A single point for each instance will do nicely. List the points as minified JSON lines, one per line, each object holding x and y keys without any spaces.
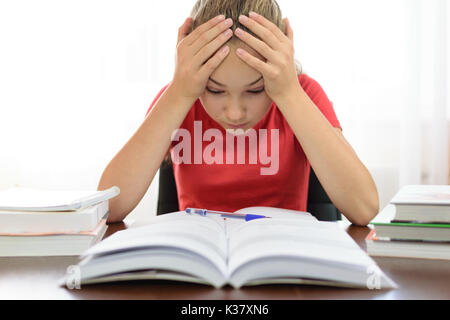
{"x":231,"y":186}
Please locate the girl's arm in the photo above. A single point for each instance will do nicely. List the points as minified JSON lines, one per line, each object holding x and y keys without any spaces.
{"x":344,"y":177}
{"x":133,"y":168}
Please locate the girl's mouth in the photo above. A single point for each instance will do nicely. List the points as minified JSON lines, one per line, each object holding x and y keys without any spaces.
{"x":240,"y":126}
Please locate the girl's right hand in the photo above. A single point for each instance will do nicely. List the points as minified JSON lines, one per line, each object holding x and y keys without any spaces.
{"x":196,"y":56}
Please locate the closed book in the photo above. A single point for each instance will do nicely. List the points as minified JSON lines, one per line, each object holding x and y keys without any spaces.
{"x":413,"y":231}
{"x":423,"y":203}
{"x":52,"y":221}
{"x":50,"y":244}
{"x":32,"y":199}
{"x":386,"y":247}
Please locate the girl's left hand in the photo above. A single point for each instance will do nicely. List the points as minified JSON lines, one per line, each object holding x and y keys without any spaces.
{"x":279,"y":72}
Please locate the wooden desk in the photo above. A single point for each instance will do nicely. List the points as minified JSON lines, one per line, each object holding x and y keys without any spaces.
{"x":36,"y":278}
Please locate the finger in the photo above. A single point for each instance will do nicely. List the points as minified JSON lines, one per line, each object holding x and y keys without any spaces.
{"x":202,"y":28}
{"x":289,"y":31}
{"x":253,"y":62}
{"x":260,"y":46}
{"x":261,"y":31}
{"x":259,"y":23}
{"x":211,"y":34}
{"x":208,"y":68}
{"x":207,"y":51}
{"x":184,"y":29}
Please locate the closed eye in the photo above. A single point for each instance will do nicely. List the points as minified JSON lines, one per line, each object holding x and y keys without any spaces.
{"x":250,"y":91}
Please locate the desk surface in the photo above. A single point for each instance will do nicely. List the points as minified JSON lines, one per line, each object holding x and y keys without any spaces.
{"x":37,"y":277}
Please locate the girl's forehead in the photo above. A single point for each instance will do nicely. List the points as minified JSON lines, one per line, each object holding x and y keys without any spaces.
{"x":234,"y":72}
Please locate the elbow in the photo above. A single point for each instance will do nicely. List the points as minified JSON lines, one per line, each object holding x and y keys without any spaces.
{"x":361,"y":221}
{"x":114,"y":219}
{"x":365,"y":211}
{"x":116,"y":213}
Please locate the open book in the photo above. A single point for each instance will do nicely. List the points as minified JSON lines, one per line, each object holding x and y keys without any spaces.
{"x":291,"y":247}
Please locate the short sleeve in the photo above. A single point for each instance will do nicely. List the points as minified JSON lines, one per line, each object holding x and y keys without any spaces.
{"x":315,"y":92}
{"x":156,"y":98}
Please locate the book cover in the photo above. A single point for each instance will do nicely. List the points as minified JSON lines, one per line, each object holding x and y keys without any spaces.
{"x":423,"y":195}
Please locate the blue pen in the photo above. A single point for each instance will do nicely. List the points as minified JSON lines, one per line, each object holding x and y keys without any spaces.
{"x":204,"y":212}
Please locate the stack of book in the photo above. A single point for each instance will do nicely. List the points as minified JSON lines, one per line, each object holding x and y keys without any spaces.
{"x":38,"y":222}
{"x":420,"y":224}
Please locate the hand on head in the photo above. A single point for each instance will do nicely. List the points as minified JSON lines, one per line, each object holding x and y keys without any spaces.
{"x":198,"y":54}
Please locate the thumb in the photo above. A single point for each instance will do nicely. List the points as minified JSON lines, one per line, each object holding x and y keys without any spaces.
{"x":184,"y":29}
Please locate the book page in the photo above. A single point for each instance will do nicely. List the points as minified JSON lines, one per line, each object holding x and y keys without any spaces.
{"x":278,"y":213}
{"x":204,"y":236}
{"x":423,"y":194}
{"x":271,"y":212}
{"x":316,"y":240}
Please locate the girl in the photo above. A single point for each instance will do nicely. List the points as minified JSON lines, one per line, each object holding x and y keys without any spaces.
{"x":236,"y":76}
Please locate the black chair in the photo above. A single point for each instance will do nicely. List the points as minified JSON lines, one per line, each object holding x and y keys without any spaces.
{"x":319,"y":204}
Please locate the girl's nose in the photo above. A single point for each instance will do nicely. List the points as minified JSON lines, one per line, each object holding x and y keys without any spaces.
{"x":235,"y":114}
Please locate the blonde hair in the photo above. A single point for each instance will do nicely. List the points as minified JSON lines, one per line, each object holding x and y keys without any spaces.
{"x":204,"y":10}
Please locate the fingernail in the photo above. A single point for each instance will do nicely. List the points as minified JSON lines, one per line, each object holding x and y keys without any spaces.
{"x":243,"y":18}
{"x":253,"y":14}
{"x":220,"y":17}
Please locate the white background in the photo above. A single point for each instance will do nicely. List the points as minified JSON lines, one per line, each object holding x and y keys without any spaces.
{"x":77,"y":77}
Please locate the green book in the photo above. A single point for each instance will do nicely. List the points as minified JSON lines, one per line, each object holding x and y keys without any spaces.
{"x":413,"y":231}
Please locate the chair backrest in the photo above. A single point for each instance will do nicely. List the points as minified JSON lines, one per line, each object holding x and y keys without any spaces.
{"x":319,"y":204}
